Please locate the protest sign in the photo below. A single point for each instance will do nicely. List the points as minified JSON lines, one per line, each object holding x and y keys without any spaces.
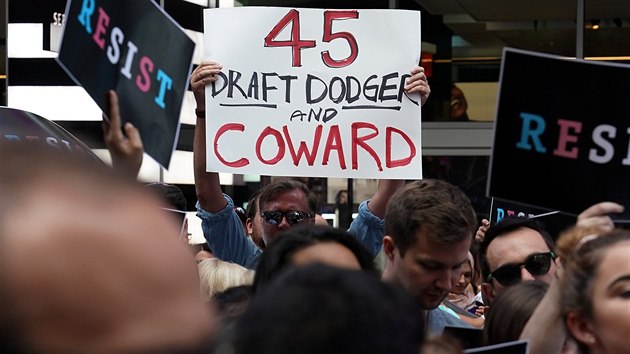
{"x":22,"y":127}
{"x":136,"y":49}
{"x":553,"y":221}
{"x":312,"y":92}
{"x":561,"y":133}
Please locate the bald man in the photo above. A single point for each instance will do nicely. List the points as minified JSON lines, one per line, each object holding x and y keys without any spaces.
{"x":90,"y":263}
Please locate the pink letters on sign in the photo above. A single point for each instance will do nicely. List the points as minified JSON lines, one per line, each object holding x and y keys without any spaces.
{"x":145,"y":66}
{"x":309,"y":152}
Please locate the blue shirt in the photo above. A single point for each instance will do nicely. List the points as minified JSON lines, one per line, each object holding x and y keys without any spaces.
{"x":438,"y":318}
{"x":228,"y":241}
{"x":226,"y":236}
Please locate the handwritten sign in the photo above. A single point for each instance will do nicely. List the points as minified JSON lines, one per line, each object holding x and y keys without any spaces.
{"x":311,"y":92}
{"x":561,"y":133}
{"x":128,"y":46}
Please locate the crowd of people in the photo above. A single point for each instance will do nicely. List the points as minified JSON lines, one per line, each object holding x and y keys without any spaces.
{"x":92,"y":261}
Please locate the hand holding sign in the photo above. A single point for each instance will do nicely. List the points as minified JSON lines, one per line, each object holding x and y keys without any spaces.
{"x":481,"y":231}
{"x":418,"y":83}
{"x":126,"y":151}
{"x":109,"y":45}
{"x":204,"y":74}
{"x":597,"y":216}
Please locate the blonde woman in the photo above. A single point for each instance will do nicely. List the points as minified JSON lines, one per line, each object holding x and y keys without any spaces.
{"x":216,"y":276}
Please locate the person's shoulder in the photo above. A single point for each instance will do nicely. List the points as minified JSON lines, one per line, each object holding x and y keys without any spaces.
{"x":439,"y":318}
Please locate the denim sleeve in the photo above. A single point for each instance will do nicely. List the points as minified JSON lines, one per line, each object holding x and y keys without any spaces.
{"x":226,"y":237}
{"x":368,"y":228}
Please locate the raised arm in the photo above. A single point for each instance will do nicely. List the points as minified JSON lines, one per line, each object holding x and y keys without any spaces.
{"x":481,"y":231}
{"x":368,"y":226}
{"x":221,"y":227}
{"x":207,"y":184}
{"x":384,"y":191}
{"x":416,"y":83}
{"x":125,"y":149}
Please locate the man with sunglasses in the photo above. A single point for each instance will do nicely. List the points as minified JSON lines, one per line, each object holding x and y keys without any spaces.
{"x":515,"y":249}
{"x":279,"y":208}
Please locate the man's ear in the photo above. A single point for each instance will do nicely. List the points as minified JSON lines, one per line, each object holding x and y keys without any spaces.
{"x":249,"y":225}
{"x":581,"y":329}
{"x":184,"y":231}
{"x":488,"y":293}
{"x":388,"y":247}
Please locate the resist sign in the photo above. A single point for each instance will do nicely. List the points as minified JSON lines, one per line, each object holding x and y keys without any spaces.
{"x":136,"y":49}
{"x":562,"y":139}
{"x":311,"y":92}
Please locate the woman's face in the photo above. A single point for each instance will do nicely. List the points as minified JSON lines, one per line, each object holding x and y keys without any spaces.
{"x":611,"y":302}
{"x":464,"y":279}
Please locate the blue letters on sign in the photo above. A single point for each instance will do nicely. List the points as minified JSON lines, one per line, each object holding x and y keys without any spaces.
{"x":533,"y":133}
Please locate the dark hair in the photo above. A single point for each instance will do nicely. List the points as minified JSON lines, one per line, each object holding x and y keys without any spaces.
{"x":277,"y":256}
{"x":511,"y":310}
{"x":474,"y":251}
{"x":170,"y":194}
{"x":235,"y":294}
{"x":319,"y":309}
{"x":580,"y":272}
{"x":269,"y":192}
{"x":252,"y":205}
{"x":433,"y":205}
{"x":172,"y":197}
{"x":507,"y":225}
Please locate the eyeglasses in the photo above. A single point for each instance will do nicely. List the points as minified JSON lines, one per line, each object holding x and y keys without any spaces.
{"x":510,"y":274}
{"x":274,"y":217}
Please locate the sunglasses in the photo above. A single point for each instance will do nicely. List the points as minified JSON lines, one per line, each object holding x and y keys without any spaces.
{"x":274,"y":217}
{"x":510,"y":274}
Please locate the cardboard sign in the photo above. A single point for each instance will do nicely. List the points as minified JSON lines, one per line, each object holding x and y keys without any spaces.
{"x":561,"y":133}
{"x":312,"y":92}
{"x":22,"y":127}
{"x":136,"y":49}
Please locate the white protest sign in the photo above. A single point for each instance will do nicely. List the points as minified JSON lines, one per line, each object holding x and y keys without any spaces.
{"x":312,"y":92}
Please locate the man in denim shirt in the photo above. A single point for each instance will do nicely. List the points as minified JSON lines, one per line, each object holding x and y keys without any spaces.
{"x":281,"y":207}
